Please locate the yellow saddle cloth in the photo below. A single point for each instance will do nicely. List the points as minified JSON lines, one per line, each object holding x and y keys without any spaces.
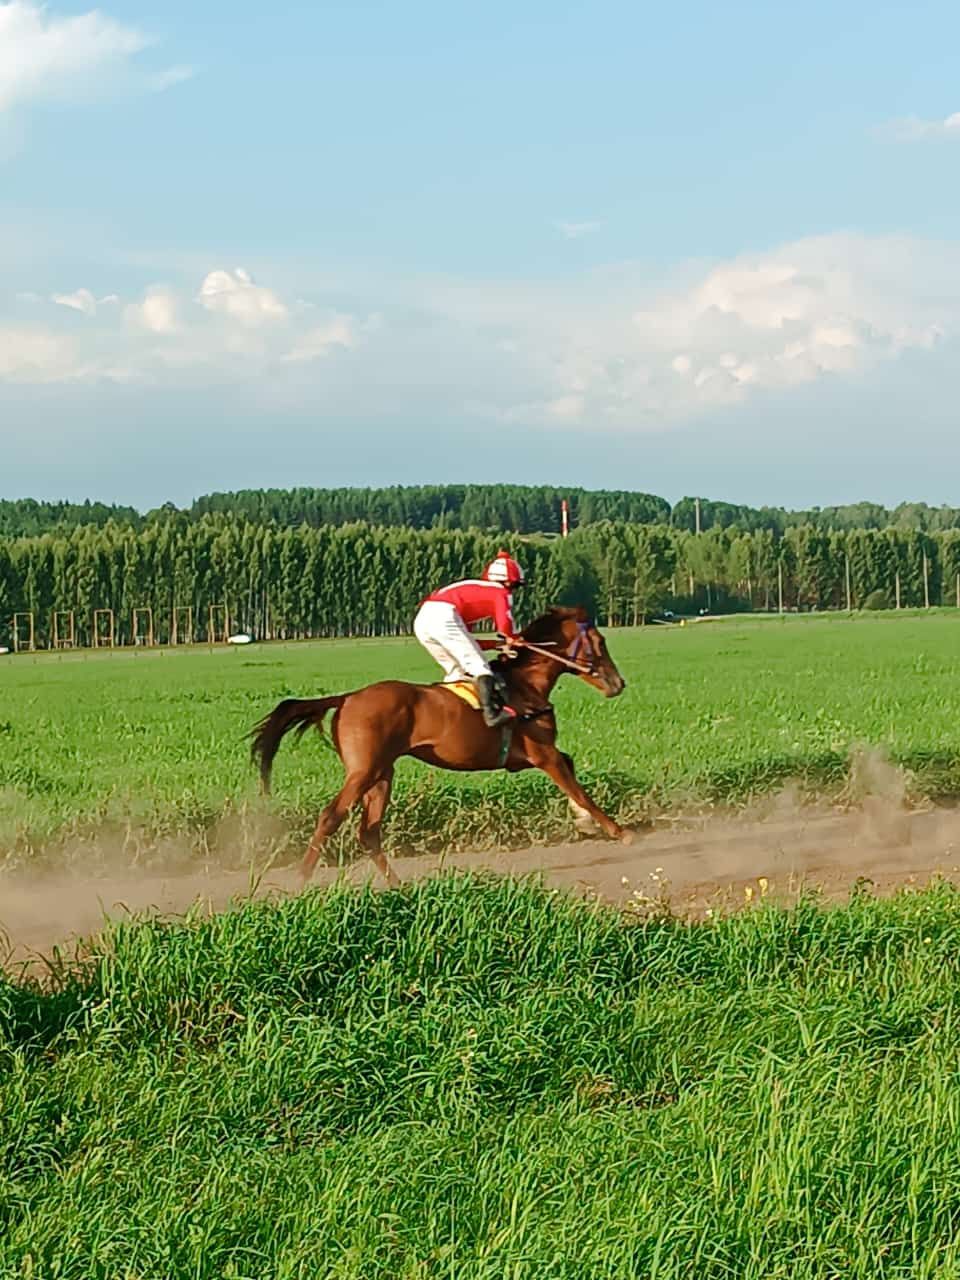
{"x":466,"y":691}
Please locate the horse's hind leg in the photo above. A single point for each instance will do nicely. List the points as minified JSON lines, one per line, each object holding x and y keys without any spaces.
{"x":354,"y":787}
{"x":375,"y":801}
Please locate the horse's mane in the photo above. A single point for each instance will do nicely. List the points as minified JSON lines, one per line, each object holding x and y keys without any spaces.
{"x":548,"y":624}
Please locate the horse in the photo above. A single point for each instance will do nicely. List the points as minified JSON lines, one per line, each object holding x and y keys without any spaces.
{"x":375,"y":725}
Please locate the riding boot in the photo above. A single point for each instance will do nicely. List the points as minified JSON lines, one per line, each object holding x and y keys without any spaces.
{"x":494,"y":712}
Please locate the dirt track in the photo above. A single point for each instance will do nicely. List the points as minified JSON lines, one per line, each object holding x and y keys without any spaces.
{"x":695,"y":863}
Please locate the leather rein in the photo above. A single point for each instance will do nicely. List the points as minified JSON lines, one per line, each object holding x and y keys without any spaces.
{"x":580,"y":642}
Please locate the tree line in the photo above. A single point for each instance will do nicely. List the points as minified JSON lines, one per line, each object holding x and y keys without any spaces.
{"x":224,"y":572}
{"x":522,"y":509}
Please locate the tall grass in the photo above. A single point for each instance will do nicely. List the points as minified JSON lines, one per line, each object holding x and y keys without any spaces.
{"x":477,"y":1078}
{"x":146,"y":750}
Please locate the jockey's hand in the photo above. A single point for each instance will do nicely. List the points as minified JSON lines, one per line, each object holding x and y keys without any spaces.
{"x":510,"y":646}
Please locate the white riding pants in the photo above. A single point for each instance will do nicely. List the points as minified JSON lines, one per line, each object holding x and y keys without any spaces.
{"x":444,"y":635}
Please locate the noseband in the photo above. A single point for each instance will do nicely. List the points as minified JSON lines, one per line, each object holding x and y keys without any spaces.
{"x":581,"y":642}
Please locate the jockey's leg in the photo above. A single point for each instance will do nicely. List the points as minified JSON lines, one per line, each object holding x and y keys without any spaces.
{"x":491,"y":703}
{"x":445,"y":636}
{"x":430,"y":628}
{"x":458,"y":641}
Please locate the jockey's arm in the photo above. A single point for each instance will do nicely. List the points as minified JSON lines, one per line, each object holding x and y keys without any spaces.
{"x":503,"y":616}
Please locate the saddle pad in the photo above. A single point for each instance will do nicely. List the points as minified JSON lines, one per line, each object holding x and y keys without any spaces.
{"x":466,"y":691}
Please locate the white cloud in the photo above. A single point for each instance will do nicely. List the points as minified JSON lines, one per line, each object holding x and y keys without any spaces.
{"x":82,"y":300}
{"x":318,"y":343}
{"x":606,"y":349}
{"x":831,"y":306}
{"x":157,"y":313}
{"x":575,"y":230}
{"x":913,"y":129}
{"x":229,"y":329}
{"x":35,"y":355}
{"x":44,"y":57}
{"x":235,"y":295}
{"x":172,"y":76}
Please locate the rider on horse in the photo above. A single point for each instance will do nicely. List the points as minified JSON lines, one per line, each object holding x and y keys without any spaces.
{"x":443,"y":623}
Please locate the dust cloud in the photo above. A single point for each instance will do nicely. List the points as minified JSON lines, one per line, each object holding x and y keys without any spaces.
{"x":708,"y":861}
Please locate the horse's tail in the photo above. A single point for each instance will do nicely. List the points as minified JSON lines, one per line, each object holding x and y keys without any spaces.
{"x":292,"y":713}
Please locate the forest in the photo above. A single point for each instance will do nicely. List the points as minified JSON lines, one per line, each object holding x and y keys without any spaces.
{"x":193,"y":579}
{"x":499,"y":507}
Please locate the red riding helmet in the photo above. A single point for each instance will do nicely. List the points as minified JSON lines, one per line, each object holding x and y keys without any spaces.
{"x":504,"y":570}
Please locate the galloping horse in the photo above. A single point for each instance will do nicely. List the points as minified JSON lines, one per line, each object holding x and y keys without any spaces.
{"x":376,"y":725}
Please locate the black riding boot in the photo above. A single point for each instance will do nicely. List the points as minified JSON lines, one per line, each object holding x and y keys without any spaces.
{"x":494,"y":712}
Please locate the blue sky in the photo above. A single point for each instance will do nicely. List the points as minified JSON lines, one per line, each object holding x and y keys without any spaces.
{"x":692,"y":248}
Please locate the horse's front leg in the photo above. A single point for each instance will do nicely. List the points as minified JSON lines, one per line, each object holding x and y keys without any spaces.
{"x":559,"y":767}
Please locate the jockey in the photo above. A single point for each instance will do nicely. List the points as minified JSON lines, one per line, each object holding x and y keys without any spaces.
{"x":443,"y":623}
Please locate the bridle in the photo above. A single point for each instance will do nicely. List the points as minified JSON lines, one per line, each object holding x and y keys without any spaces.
{"x":581,"y":643}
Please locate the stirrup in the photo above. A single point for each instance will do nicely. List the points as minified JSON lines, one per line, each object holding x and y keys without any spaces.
{"x":501,"y":716}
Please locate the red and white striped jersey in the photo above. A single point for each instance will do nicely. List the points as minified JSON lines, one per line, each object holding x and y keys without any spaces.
{"x":476,"y":600}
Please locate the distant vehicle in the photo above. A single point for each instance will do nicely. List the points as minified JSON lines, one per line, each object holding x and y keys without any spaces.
{"x":242,"y":638}
{"x":3,"y":649}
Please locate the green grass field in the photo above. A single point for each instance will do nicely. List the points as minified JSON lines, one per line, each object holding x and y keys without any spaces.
{"x":143,"y":747}
{"x":472,"y":1079}
{"x":476,"y":1080}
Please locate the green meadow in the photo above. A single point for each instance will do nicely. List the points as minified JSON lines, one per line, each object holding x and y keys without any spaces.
{"x":143,"y":747}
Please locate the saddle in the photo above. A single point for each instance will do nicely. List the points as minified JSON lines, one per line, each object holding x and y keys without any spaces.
{"x":466,"y":691}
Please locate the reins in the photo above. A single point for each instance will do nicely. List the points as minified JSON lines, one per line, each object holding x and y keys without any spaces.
{"x":557,"y":657}
{"x":569,"y":659}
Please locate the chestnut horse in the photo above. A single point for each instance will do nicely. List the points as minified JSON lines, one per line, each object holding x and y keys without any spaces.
{"x":374,"y":726}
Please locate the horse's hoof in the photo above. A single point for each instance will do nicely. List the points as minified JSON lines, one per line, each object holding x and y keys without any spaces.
{"x":627,"y":837}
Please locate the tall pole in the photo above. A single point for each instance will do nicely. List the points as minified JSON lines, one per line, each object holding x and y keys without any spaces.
{"x":564,"y":518}
{"x":926,"y":581}
{"x":696,"y":508}
{"x":848,"y":583}
{"x":780,"y":584}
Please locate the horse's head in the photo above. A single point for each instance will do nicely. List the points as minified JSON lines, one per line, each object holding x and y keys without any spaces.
{"x":573,"y":638}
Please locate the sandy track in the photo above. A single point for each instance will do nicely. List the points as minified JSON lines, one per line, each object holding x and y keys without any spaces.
{"x":694,"y":863}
